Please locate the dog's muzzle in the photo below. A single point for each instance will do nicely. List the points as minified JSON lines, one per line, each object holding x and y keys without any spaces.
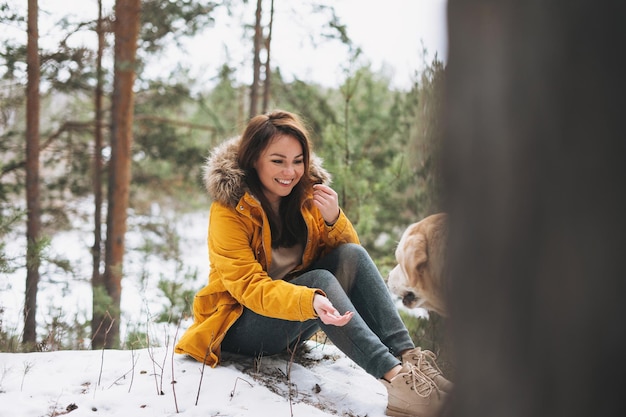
{"x":409,"y":299}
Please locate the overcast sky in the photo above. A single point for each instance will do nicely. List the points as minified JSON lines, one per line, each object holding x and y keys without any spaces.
{"x":391,"y":33}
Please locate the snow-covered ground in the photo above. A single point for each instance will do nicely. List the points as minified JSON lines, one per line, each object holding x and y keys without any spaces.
{"x":123,"y":383}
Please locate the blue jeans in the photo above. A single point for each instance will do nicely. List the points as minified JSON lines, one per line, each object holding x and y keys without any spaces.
{"x":373,"y":338}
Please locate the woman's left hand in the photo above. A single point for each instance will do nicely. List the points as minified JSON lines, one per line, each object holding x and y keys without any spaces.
{"x":326,"y":200}
{"x":329,"y":314}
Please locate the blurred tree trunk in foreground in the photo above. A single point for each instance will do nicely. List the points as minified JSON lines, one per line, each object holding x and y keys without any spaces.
{"x":534,"y":167}
{"x":106,"y":324}
{"x":33,"y":226}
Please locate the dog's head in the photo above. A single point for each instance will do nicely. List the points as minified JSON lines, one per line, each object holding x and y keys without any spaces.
{"x":419,"y":276}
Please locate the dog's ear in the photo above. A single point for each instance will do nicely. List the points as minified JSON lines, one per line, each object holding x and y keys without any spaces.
{"x":414,"y":257}
{"x":421,"y":252}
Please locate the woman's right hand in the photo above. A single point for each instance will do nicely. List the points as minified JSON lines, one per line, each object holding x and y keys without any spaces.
{"x":329,"y":314}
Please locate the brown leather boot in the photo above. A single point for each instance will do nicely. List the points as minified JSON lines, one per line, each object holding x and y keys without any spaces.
{"x":413,"y":394}
{"x":424,"y":360}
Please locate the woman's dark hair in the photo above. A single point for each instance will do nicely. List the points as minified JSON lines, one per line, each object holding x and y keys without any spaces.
{"x":287,"y":226}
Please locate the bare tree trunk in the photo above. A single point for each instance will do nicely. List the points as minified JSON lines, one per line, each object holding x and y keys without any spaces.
{"x":96,"y":278}
{"x":256,"y":60}
{"x":127,"y":16}
{"x":33,"y":227}
{"x":534,"y":166}
{"x":268,"y":69}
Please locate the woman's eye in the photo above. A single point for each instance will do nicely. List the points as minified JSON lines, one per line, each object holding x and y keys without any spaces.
{"x":298,"y":161}
{"x":277,"y":161}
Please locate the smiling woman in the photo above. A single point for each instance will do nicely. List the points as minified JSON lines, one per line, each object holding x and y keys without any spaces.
{"x":287,"y":262}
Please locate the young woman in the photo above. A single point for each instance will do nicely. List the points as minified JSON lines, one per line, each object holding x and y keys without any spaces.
{"x":285,"y":262}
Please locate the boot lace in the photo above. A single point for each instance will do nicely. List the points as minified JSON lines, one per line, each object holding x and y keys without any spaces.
{"x":422,"y":384}
{"x":425,"y":362}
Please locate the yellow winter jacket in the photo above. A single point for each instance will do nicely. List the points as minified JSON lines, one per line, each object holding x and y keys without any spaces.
{"x":239,"y":241}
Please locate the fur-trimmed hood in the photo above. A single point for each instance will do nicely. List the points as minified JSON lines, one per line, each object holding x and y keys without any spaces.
{"x":224,"y":179}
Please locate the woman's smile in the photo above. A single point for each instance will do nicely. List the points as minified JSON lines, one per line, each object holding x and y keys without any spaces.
{"x":284,"y":182}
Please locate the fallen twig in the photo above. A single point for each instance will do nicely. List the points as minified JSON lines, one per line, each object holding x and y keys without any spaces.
{"x":206,"y":355}
{"x":173,"y":379}
{"x":232,"y":393}
{"x":132,"y":376}
{"x":27,"y":367}
{"x":291,"y":359}
{"x":132,"y":370}
{"x":106,"y":334}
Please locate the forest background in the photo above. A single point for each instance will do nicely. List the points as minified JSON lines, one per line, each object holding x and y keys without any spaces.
{"x":379,"y":141}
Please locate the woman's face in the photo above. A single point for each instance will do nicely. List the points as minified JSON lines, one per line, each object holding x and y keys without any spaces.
{"x":280,"y":166}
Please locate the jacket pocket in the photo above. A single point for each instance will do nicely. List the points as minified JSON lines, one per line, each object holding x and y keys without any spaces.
{"x":206,"y":304}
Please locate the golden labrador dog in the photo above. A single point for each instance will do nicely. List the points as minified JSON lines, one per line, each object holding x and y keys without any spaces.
{"x":418,"y":278}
